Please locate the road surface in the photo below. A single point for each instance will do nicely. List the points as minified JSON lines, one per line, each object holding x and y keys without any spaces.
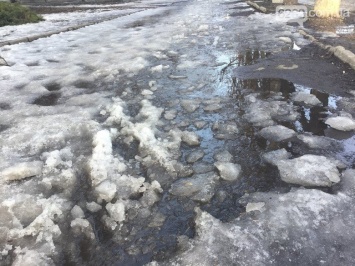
{"x":183,"y":133}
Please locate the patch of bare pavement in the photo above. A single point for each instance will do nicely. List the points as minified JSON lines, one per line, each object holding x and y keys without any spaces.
{"x":191,"y":133}
{"x":311,"y":67}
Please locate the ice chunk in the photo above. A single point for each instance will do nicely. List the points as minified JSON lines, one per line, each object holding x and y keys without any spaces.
{"x":7,"y":219}
{"x":341,"y":123}
{"x":199,"y":187}
{"x":195,"y":156}
{"x":22,"y":170}
{"x":149,"y":198}
{"x":93,"y":206}
{"x":146,"y":92}
{"x":177,"y":77}
{"x":307,"y":220}
{"x":151,"y":195}
{"x":53,"y":159}
{"x":170,"y":115}
{"x":200,"y":124}
{"x":25,"y":208}
{"x":203,"y":28}
{"x":109,"y":222}
{"x":104,"y":166}
{"x":158,"y":220}
{"x":190,"y":138}
{"x":285,"y":39}
{"x":158,"y":69}
{"x":182,"y":170}
{"x":80,"y":225}
{"x":277,"y":133}
{"x":202,"y":168}
{"x":145,"y":132}
{"x":223,"y":156}
{"x":4,"y":236}
{"x":106,"y":190}
{"x":255,"y":206}
{"x":44,"y":228}
{"x":309,"y":170}
{"x":31,"y":258}
{"x":319,"y":142}
{"x":273,"y":157}
{"x":263,"y":113}
{"x":306,"y":98}
{"x":153,"y":85}
{"x":77,"y":212}
{"x":228,"y":171}
{"x":61,"y":179}
{"x":225,"y":130}
{"x":212,"y":107}
{"x":230,"y":128}
{"x":101,"y":157}
{"x":190,"y":105}
{"x":116,"y":211}
{"x":116,"y":110}
{"x":348,"y":182}
{"x":127,"y":185}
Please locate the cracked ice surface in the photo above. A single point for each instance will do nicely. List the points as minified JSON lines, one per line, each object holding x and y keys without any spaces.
{"x":302,"y":227}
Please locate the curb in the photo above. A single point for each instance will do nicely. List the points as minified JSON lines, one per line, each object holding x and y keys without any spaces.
{"x":257,"y":7}
{"x":44,"y":35}
{"x":340,"y":52}
{"x":48,"y":34}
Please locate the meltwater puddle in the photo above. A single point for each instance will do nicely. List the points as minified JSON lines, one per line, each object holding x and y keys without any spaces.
{"x":225,"y":84}
{"x":311,"y":118}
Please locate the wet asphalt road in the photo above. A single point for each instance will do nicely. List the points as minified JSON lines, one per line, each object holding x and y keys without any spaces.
{"x":216,"y":53}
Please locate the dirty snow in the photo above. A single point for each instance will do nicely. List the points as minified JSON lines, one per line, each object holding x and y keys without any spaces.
{"x":290,"y":232}
{"x":93,"y":144}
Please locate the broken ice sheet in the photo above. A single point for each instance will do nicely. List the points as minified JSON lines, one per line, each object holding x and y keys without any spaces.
{"x":309,"y":170}
{"x":199,"y":187}
{"x":303,"y":221}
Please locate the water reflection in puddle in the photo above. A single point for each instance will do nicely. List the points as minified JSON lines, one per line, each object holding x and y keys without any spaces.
{"x":348,"y":154}
{"x":311,"y":118}
{"x":225,"y":83}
